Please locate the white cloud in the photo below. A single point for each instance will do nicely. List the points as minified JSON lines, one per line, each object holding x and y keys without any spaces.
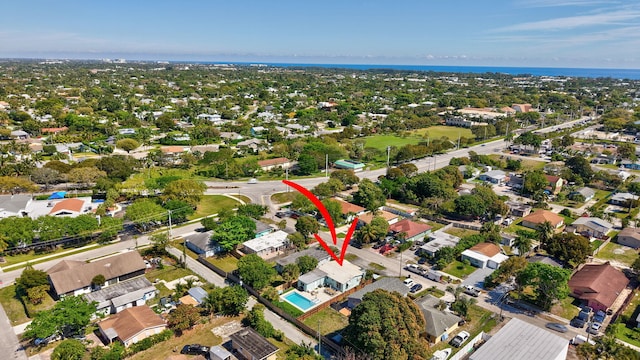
{"x":572,"y":22}
{"x":560,"y":3}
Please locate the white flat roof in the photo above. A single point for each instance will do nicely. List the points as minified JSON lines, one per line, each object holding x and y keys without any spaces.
{"x":272,"y":240}
{"x":341,"y":274}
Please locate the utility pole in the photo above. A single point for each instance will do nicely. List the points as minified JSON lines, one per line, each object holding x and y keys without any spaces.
{"x":458,"y":148}
{"x":326,"y":165}
{"x":287,"y":176}
{"x":169,"y":211}
{"x":319,"y":340}
{"x":400,"y":272}
{"x":388,"y":151}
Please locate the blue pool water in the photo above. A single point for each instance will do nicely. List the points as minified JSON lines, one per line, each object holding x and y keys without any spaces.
{"x":299,"y":301}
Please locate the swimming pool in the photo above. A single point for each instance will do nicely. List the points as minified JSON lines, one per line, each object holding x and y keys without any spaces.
{"x":300,"y":301}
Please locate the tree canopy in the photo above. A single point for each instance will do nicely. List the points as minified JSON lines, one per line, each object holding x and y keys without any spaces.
{"x":233,"y":231}
{"x":255,"y":271}
{"x":69,"y":316}
{"x":548,"y":282}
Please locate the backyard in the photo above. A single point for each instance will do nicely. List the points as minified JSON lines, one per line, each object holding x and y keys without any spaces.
{"x":14,"y":307}
{"x":328,"y":319}
{"x":227,"y":263}
{"x":459,"y":269}
{"x":168,"y":273}
{"x":619,"y":253}
{"x":625,"y":328}
{"x":460,"y":232}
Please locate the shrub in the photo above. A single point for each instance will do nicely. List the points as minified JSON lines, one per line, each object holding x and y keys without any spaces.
{"x":146,"y":343}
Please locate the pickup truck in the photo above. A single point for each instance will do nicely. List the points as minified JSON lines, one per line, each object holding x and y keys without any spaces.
{"x":470,"y":290}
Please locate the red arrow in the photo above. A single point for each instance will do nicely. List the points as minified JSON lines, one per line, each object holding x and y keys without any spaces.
{"x":329,"y":221}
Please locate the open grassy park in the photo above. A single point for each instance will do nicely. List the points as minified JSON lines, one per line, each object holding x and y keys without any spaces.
{"x":381,"y":141}
{"x":212,"y":204}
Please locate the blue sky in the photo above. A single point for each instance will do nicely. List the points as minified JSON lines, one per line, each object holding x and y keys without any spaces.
{"x":556,"y":33}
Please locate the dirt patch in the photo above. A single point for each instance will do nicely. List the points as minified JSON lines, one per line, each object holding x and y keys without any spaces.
{"x":227,"y":329}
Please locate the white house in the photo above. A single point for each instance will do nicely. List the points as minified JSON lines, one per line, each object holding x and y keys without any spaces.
{"x":268,"y":245}
{"x":494,"y":176}
{"x":438,"y":240}
{"x":484,"y":255}
{"x":331,"y":274}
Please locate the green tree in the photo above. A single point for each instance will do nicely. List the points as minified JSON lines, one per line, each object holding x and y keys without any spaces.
{"x":307,"y":225}
{"x":462,"y":305}
{"x":127,"y":144}
{"x":144,"y":213}
{"x":296,"y":239}
{"x":69,"y":349}
{"x":234,"y":231}
{"x":302,"y":203}
{"x":469,"y":206}
{"x":37,"y":294}
{"x":545,"y":232}
{"x":31,"y":278}
{"x":306,"y":263}
{"x":387,"y":326}
{"x":534,"y":181}
{"x":98,"y":280}
{"x":186,"y":190}
{"x":255,"y":319}
{"x":580,"y":167}
{"x":369,"y":195}
{"x":572,"y":249}
{"x":180,"y":210}
{"x":548,"y":282}
{"x":183,"y":317}
{"x":302,"y":352}
{"x":255,"y":211}
{"x":46,"y":176}
{"x":290,"y":272}
{"x":13,"y":185}
{"x":380,"y":226}
{"x":160,"y":242}
{"x":255,"y":271}
{"x":347,"y":177}
{"x":85,"y":175}
{"x":70,"y":315}
{"x":307,"y":165}
{"x":523,"y":244}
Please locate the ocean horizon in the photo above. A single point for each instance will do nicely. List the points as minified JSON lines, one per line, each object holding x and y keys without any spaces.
{"x":630,"y":74}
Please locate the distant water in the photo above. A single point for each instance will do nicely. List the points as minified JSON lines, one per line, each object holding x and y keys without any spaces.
{"x":632,"y":74}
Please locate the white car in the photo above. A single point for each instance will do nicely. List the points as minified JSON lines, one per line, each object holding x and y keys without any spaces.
{"x":594,"y":328}
{"x":460,"y":339}
{"x":441,"y":354}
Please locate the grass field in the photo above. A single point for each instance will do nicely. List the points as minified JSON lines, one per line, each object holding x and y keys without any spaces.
{"x":329,"y":320}
{"x":623,"y":254}
{"x":459,"y":269}
{"x":460,"y":232}
{"x":227,"y":263}
{"x":169,"y":273}
{"x":212,"y":204}
{"x":381,"y":142}
{"x":567,"y":308}
{"x":15,"y":309}
{"x":283,"y":197}
{"x":629,"y":334}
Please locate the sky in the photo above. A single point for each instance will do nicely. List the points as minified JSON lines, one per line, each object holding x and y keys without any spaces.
{"x":533,"y":33}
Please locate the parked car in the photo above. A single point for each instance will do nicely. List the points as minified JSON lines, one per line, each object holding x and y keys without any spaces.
{"x":378,"y":245}
{"x":409,"y":282}
{"x":587,"y":309}
{"x":422,"y":261}
{"x":557,"y":327}
{"x":599,"y":316}
{"x":470,"y":290}
{"x":281,"y":214}
{"x":415,"y":288}
{"x":47,"y":340}
{"x":252,"y":181}
{"x":441,"y":354}
{"x":594,"y":329}
{"x":195,"y":349}
{"x":460,"y":339}
{"x":577,"y":322}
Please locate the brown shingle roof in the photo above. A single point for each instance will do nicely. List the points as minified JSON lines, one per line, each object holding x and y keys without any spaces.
{"x":541,"y":216}
{"x":271,"y":162}
{"x":630,"y":232}
{"x":367,"y":217}
{"x":74,"y":205}
{"x":80,"y":276}
{"x":602,"y":283}
{"x":411,"y":228}
{"x":173,"y":149}
{"x":130,"y":322}
{"x":488,"y":249}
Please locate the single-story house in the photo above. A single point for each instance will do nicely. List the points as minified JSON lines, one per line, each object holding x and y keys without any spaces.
{"x":252,"y":345}
{"x":71,"y":207}
{"x":586,"y":192}
{"x":231,"y":136}
{"x":123,"y":295}
{"x":195,"y":296}
{"x":630,"y":165}
{"x":269,"y":164}
{"x":262,"y":229}
{"x":389,"y":284}
{"x":315,"y":252}
{"x":592,"y":227}
{"x":70,"y":277}
{"x":624,"y":175}
{"x":349,"y":210}
{"x":507,"y":239}
{"x":494,"y":176}
{"x":622,"y":198}
{"x":629,"y":237}
{"x":253,"y":144}
{"x":391,"y":218}
{"x":201,"y":244}
{"x":469,"y":171}
{"x":438,"y":324}
{"x":521,"y":340}
{"x":554,"y":183}
{"x":436,"y":241}
{"x":268,"y":245}
{"x":599,"y":285}
{"x":331,"y":274}
{"x":414,"y":231}
{"x":19,"y":135}
{"x":14,"y":205}
{"x":484,"y":255}
{"x":518,"y":209}
{"x":132,"y":325}
{"x":349,"y":165}
{"x":538,"y":217}
{"x":545,"y":260}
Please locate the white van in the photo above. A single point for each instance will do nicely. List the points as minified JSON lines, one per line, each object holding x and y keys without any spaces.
{"x":579,"y":339}
{"x":409,"y":282}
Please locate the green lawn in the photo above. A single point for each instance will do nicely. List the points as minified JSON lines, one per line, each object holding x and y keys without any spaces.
{"x":460,"y":232}
{"x":169,"y":273}
{"x":329,"y":319}
{"x":351,"y":257}
{"x":623,"y":254}
{"x":212,"y":204}
{"x":629,"y":333}
{"x":227,"y":263}
{"x":435,"y":226}
{"x":14,"y":307}
{"x":381,"y":142}
{"x":452,"y":132}
{"x":283,"y":197}
{"x":596,"y":244}
{"x":459,"y":269}
{"x":376,"y":266}
{"x":566,"y":308}
{"x":434,"y":291}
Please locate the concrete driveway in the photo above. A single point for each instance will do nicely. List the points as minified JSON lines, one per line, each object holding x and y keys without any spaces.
{"x":476,"y":278}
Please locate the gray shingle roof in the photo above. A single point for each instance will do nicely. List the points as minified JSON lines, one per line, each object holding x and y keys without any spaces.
{"x":437,"y":322}
{"x":388,"y":283}
{"x":14,"y":203}
{"x":316,"y":253}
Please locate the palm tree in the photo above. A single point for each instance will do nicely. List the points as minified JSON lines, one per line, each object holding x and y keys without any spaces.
{"x":455,"y":291}
{"x":179,"y":290}
{"x":523,"y":244}
{"x":210,"y":303}
{"x":189,"y":282}
{"x":367,"y":234}
{"x":545,"y":232}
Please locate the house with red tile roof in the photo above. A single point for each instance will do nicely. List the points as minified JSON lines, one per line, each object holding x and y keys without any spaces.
{"x":53,"y":130}
{"x":391,"y":218}
{"x":348,"y":209}
{"x":538,"y":217}
{"x":554,"y":184}
{"x":599,"y":285}
{"x":415,"y":231}
{"x":69,"y":207}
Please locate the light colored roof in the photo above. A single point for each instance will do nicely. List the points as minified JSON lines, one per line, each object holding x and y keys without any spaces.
{"x":389,"y":284}
{"x":540,"y":216}
{"x":367,"y":217}
{"x":522,"y":341}
{"x":272,"y":240}
{"x":189,"y":300}
{"x":499,"y":257}
{"x":219,"y":352}
{"x":271,"y":162}
{"x":121,"y":293}
{"x":202,"y":240}
{"x":594,"y":223}
{"x":311,"y":276}
{"x":197,"y":293}
{"x":411,"y":228}
{"x":586,"y":191}
{"x":630,"y":232}
{"x":341,"y":274}
{"x":79,"y":276}
{"x":130,"y":322}
{"x":623,"y":196}
{"x":438,"y":240}
{"x":314,"y":252}
{"x":14,"y":203}
{"x":496,"y":174}
{"x":348,"y":207}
